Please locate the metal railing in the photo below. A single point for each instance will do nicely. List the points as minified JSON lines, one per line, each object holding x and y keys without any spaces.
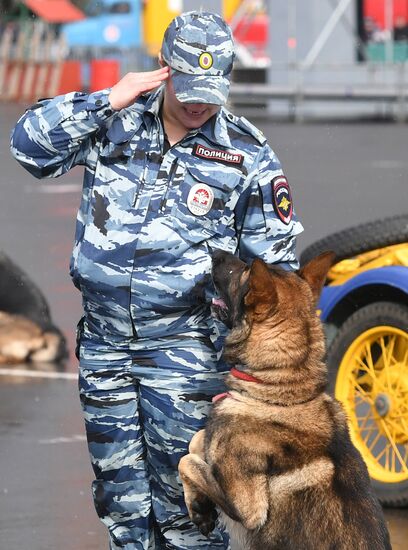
{"x":295,"y":90}
{"x":377,"y":88}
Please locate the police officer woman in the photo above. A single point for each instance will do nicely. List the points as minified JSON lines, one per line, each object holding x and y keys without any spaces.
{"x":170,"y":176}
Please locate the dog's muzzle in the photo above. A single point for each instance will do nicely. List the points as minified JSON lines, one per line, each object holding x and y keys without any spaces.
{"x":219,"y":309}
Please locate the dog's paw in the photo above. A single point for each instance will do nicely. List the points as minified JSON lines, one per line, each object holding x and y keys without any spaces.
{"x":204,"y":514}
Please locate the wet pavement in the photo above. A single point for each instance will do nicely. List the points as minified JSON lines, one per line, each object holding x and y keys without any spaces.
{"x":45,"y":475}
{"x":342,"y":175}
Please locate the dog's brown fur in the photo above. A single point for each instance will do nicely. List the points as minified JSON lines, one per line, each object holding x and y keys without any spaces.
{"x":23,"y":340}
{"x":276,"y":457}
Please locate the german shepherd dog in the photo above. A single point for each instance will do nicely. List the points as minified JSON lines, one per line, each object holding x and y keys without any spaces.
{"x":276,"y":457}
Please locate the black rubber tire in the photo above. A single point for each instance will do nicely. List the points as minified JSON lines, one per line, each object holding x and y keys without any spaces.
{"x":361,"y":238}
{"x":376,"y":314}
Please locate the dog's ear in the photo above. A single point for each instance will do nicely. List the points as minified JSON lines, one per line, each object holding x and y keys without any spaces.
{"x":315,"y":271}
{"x":262,"y":294}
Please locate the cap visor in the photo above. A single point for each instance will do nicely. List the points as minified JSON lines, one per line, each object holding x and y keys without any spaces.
{"x":190,"y":88}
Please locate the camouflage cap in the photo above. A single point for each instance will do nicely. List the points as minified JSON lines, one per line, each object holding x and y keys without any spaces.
{"x":198,"y":46}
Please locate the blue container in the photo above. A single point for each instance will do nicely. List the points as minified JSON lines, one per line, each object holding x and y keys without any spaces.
{"x":109,"y":24}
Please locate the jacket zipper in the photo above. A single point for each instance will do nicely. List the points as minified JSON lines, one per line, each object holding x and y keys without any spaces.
{"x":141,"y":182}
{"x":169,"y":180}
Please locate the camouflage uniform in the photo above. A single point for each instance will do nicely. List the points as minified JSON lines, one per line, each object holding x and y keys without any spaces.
{"x":148,"y":221}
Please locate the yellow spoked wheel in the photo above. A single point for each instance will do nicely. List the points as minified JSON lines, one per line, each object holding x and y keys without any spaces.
{"x":371,"y":381}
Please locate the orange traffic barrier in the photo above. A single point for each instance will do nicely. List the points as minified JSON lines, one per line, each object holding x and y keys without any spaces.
{"x":70,"y":80}
{"x":31,"y":69}
{"x":104,"y":74}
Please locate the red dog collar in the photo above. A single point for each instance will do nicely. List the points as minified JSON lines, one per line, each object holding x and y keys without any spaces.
{"x":237,"y":374}
{"x":244,"y":376}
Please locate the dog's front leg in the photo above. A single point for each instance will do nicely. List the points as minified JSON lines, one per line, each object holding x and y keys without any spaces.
{"x":200,"y":508}
{"x":201,"y":492}
{"x":196,"y":446}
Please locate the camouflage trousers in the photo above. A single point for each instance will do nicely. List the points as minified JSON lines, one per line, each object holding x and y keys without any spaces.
{"x":142,"y":403}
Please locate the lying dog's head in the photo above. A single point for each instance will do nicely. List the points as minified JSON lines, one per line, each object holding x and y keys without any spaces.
{"x":268,"y":307}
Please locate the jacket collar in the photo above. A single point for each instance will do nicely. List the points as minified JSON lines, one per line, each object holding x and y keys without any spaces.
{"x":214,"y":130}
{"x":123,"y":128}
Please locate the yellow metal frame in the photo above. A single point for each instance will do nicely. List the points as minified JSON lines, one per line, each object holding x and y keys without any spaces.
{"x":346,"y":269}
{"x":372,"y":384}
{"x":157,"y":15}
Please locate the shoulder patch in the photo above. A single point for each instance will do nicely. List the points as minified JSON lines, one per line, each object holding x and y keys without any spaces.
{"x":282,"y":199}
{"x":248,"y":127}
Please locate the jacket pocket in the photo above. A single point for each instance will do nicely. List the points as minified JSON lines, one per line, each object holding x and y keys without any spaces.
{"x":203,"y":202}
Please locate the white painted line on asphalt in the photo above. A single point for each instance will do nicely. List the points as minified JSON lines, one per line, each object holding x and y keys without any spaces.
{"x":39,"y":374}
{"x":387,"y":164}
{"x":75,"y":438}
{"x":55,"y":188}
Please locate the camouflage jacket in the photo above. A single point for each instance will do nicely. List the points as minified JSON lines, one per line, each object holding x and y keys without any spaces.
{"x":149,"y":219}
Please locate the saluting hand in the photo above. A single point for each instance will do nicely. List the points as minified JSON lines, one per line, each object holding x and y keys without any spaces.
{"x":129,"y":88}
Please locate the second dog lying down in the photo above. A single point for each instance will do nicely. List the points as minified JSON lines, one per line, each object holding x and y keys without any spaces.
{"x":276,"y":457}
{"x":23,"y":340}
{"x":27,"y":332}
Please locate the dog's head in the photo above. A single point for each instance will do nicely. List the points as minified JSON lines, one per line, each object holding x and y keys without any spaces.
{"x":268,"y":302}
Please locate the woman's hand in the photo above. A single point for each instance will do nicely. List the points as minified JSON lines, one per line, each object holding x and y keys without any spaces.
{"x":129,"y":88}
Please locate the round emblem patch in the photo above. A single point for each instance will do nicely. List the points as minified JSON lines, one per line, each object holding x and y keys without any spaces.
{"x":205,"y":60}
{"x":282,"y":199}
{"x":200,"y":199}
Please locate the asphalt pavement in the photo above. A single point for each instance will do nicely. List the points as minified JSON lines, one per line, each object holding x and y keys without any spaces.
{"x":341,"y":175}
